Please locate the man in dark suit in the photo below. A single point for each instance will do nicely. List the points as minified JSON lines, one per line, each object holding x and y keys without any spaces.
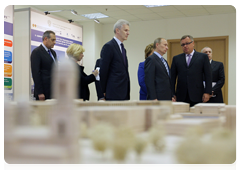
{"x":157,"y":73}
{"x":97,"y":82}
{"x":42,"y":60}
{"x":189,"y":68}
{"x":218,"y":77}
{"x":114,"y":76}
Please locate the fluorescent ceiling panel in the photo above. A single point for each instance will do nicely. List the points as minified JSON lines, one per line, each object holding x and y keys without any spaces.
{"x":151,"y":6}
{"x":94,"y":15}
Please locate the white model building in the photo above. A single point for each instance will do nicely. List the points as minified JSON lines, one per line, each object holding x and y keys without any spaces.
{"x":49,"y":131}
{"x":139,"y":118}
{"x":56,"y":143}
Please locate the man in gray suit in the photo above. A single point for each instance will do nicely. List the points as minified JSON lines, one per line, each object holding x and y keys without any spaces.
{"x":157,"y":73}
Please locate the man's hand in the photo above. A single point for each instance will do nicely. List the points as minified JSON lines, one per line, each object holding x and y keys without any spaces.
{"x":41,"y":97}
{"x":174,"y":98}
{"x":205,"y":97}
{"x":212,"y":94}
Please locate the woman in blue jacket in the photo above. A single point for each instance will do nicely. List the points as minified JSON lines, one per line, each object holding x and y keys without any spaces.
{"x":141,"y":76}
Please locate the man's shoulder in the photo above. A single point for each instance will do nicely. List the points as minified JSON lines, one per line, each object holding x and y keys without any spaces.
{"x":37,"y":50}
{"x":153,"y":56}
{"x":40,"y":47}
{"x":178,"y":56}
{"x":182,"y":54}
{"x":217,"y":63}
{"x":108,"y":45}
{"x":111,"y":42}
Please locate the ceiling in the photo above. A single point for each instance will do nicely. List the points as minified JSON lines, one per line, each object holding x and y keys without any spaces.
{"x":132,"y":13}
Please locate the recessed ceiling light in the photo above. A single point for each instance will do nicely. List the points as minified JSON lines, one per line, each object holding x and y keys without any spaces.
{"x":95,"y":16}
{"x":151,"y":6}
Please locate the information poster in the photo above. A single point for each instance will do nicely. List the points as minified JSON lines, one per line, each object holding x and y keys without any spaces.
{"x":66,"y":34}
{"x":8,"y":52}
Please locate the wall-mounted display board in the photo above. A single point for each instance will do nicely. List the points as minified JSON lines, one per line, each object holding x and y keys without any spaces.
{"x":29,"y":26}
{"x":8,"y":52}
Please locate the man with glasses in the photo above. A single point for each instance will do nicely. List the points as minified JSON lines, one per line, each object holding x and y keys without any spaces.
{"x":188,"y":68}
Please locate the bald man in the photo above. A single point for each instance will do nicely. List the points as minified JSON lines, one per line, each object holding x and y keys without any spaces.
{"x":218,"y":77}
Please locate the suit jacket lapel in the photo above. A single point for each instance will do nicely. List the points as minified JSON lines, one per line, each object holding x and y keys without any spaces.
{"x":194,"y":57}
{"x":183,"y":58}
{"x":212,"y":64}
{"x":46,"y":55}
{"x":161,"y":63}
{"x":54,"y":54}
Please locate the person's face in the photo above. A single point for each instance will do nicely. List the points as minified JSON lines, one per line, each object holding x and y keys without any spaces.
{"x":50,"y":42}
{"x":123,"y":32}
{"x":162,"y":47}
{"x":208,"y":51}
{"x":80,"y":57}
{"x":187,"y":45}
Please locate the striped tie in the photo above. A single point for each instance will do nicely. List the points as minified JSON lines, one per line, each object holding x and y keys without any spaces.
{"x":165,"y":64}
{"x":49,"y":52}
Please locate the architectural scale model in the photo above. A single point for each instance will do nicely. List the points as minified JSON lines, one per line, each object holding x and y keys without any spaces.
{"x":68,"y":130}
{"x":55,"y":143}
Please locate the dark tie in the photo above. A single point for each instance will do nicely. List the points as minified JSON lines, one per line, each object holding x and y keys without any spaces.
{"x":123,"y":53}
{"x":165,"y":64}
{"x":189,"y":59}
{"x":49,"y":52}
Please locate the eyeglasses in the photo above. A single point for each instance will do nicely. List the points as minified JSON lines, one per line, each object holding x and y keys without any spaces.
{"x":186,"y":44}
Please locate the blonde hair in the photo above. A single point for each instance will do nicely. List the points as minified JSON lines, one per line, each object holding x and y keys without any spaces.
{"x":74,"y":50}
{"x":148,"y":50}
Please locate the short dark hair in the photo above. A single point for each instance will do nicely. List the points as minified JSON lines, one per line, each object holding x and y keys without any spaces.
{"x":185,"y":36}
{"x":47,"y":34}
{"x":158,"y":40}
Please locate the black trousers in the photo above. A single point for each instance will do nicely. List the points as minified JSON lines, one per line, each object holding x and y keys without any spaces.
{"x":188,"y":100}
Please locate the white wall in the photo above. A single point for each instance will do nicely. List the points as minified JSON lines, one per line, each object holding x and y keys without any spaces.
{"x":144,"y":32}
{"x":92,"y":42}
{"x":141,"y":34}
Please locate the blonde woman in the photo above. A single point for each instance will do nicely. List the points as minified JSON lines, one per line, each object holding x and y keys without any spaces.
{"x":75,"y":52}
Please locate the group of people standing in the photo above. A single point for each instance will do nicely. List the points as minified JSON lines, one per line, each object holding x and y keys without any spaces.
{"x":191,"y":69}
{"x":193,"y":78}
